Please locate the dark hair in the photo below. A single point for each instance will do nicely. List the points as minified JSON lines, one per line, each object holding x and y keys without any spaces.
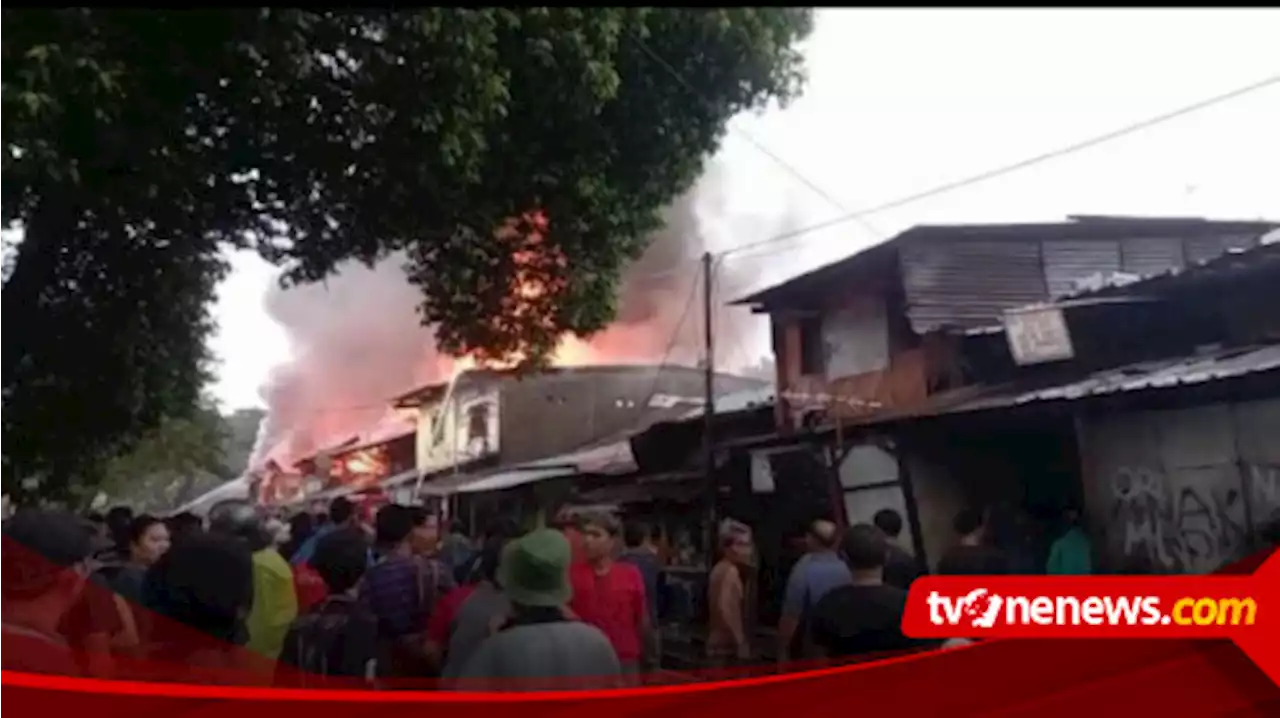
{"x":888,"y":521}
{"x":301,"y":525}
{"x":565,"y":517}
{"x":341,"y":510}
{"x":95,"y":517}
{"x":967,"y":521}
{"x":341,"y":558}
{"x":634,"y":533}
{"x":184,"y":524}
{"x":865,"y":547}
{"x":491,"y":554}
{"x":393,"y":524}
{"x":205,"y":582}
{"x":419,"y":516}
{"x":140,"y":526}
{"x":118,"y":519}
{"x":501,"y":529}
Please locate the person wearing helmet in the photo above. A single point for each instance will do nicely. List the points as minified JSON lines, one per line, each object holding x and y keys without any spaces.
{"x":275,"y":604}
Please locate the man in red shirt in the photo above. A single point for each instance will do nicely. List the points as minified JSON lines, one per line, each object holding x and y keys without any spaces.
{"x":610,"y":595}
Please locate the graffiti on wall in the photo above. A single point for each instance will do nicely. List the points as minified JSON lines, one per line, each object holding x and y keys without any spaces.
{"x":1264,"y":487}
{"x":1190,"y":522}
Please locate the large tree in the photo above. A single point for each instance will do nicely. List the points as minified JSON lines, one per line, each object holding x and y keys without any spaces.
{"x":172,"y":463}
{"x":518,"y":156}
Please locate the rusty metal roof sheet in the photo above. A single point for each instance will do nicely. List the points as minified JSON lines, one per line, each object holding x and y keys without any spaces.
{"x":1161,"y":374}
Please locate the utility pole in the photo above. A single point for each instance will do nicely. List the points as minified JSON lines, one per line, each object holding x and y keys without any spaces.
{"x":709,"y":407}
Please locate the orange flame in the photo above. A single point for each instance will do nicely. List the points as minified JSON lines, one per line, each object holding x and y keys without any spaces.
{"x":530,"y":286}
{"x":361,"y":466}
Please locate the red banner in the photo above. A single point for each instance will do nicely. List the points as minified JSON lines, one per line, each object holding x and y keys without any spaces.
{"x":1244,"y":609}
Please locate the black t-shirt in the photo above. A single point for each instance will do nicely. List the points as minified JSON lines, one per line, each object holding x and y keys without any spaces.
{"x":901,"y":569}
{"x":973,"y":561}
{"x":855,"y":620}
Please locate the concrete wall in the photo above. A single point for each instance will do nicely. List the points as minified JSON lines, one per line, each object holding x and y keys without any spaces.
{"x":1181,"y":490}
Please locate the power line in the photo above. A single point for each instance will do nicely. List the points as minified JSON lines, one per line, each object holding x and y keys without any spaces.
{"x":674,"y":338}
{"x":729,"y":329}
{"x":1006,"y":169}
{"x":797,"y":174}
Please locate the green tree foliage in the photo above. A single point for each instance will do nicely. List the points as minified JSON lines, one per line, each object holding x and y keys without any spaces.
{"x":170,"y":463}
{"x":141,"y":143}
{"x":242,"y":435}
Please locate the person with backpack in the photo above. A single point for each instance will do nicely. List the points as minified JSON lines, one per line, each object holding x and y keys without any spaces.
{"x":200,"y":591}
{"x":337,"y":637}
{"x":402,"y":589}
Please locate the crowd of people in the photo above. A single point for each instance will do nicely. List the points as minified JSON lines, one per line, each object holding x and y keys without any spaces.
{"x":390,"y":598}
{"x":381,"y":600}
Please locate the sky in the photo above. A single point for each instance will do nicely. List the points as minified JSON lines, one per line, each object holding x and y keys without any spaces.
{"x":900,"y":101}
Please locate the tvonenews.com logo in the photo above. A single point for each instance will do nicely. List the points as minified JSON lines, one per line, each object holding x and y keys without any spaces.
{"x":981,"y":608}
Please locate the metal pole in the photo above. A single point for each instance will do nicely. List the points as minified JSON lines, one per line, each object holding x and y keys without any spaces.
{"x":709,"y":407}
{"x":438,"y":429}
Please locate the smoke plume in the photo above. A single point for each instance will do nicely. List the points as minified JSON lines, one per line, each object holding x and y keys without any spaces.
{"x":356,"y":339}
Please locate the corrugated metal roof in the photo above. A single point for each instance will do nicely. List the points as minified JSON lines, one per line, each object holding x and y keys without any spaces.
{"x":957,"y":284}
{"x":964,"y":275}
{"x":606,"y":458}
{"x":757,"y":398}
{"x":1145,"y":256}
{"x":1232,"y":261}
{"x":980,"y":279}
{"x":1162,"y":374}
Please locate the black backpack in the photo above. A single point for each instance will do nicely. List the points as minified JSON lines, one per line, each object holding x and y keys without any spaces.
{"x":336,"y":639}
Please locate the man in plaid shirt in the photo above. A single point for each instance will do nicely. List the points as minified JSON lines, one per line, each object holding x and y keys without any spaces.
{"x":401,"y":590}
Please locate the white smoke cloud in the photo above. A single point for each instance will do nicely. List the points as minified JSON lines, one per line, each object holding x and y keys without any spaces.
{"x":356,"y":339}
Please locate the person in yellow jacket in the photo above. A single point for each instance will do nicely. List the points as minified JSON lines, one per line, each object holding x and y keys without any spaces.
{"x":275,"y":604}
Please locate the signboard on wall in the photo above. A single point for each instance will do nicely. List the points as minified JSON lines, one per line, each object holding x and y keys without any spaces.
{"x":1038,"y":335}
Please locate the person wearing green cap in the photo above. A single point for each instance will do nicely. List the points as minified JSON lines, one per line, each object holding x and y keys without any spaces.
{"x":540,"y":643}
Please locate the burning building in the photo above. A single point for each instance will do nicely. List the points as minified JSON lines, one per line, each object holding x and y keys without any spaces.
{"x":362,"y":461}
{"x":501,"y":418}
{"x":358,"y":344}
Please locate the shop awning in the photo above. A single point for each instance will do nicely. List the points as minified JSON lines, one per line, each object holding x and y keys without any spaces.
{"x":605,"y":459}
{"x":678,"y":486}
